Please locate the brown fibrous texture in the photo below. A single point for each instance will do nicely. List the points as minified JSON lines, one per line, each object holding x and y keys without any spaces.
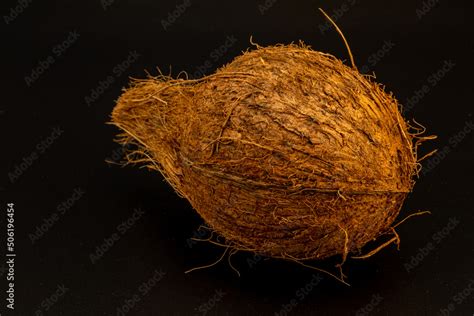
{"x":285,"y":151}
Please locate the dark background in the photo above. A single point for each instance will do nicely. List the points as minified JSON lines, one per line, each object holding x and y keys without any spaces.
{"x":436,"y":259}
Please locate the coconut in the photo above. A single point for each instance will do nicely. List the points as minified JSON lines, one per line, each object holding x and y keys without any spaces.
{"x":285,"y":151}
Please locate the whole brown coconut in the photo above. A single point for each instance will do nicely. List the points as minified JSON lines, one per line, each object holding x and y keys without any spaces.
{"x":285,"y":151}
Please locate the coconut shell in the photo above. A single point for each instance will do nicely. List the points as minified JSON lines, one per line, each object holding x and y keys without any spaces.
{"x":285,"y":151}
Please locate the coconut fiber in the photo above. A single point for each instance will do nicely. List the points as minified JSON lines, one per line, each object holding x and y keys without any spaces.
{"x":285,"y":151}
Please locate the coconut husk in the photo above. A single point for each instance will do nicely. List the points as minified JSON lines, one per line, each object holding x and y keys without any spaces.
{"x":285,"y":151}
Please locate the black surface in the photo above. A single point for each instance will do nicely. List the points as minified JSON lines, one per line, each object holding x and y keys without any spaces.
{"x":158,"y":240}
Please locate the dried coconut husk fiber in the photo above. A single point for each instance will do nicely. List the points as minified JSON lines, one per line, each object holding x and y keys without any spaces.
{"x":285,"y":151}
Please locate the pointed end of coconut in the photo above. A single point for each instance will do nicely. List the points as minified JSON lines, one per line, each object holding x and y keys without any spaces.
{"x":142,"y":113}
